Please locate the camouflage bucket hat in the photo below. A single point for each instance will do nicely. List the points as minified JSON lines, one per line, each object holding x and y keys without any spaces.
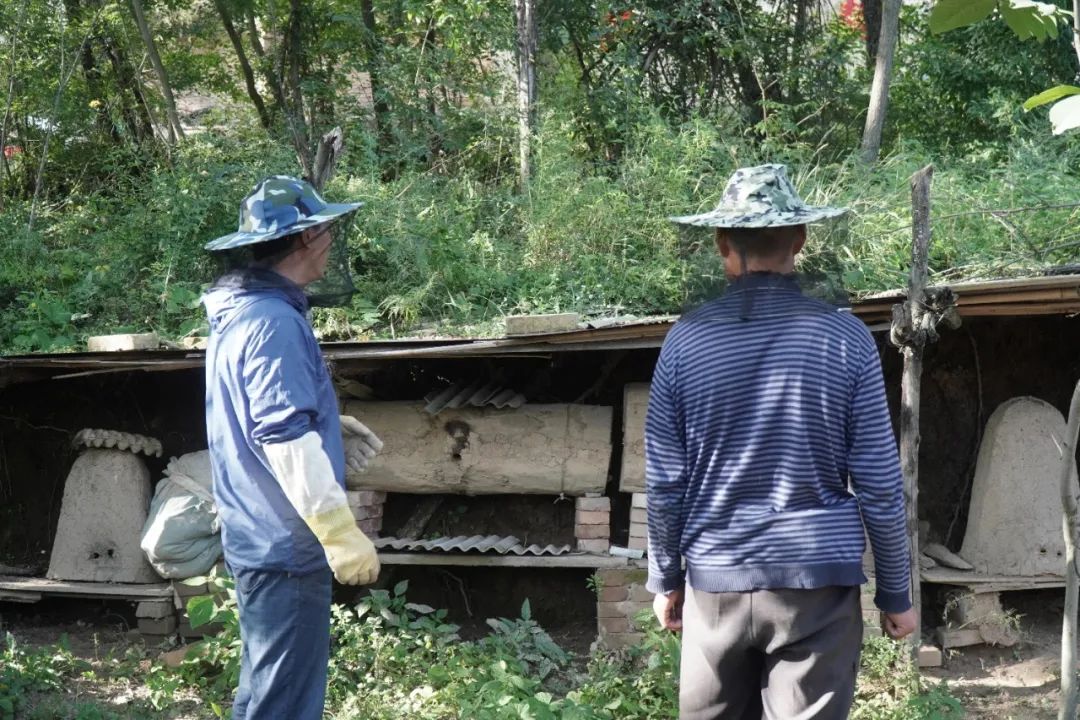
{"x":759,"y":197}
{"x":278,"y":206}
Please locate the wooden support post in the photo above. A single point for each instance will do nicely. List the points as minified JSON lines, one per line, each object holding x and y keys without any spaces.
{"x":912,"y":377}
{"x":1069,"y":695}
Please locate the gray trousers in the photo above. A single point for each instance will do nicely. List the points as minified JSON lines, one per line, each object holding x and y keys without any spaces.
{"x":772,"y":654}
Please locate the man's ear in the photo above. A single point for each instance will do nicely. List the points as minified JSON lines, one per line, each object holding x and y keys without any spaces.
{"x":800,"y":240}
{"x":723,"y":245}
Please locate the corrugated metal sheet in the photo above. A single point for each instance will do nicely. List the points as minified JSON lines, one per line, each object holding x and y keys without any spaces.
{"x":474,"y":543}
{"x":476,"y":395}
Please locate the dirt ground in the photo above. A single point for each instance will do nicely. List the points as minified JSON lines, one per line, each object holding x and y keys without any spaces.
{"x":1017,"y":683}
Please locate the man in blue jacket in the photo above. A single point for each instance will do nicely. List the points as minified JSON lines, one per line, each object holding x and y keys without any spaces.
{"x":277,"y":446}
{"x":767,"y":410}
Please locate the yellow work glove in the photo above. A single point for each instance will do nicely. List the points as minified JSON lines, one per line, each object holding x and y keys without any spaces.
{"x":306,"y":476}
{"x":349,"y":552}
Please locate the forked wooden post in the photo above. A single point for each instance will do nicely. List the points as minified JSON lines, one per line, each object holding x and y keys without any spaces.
{"x":910,"y":387}
{"x":1069,"y":699}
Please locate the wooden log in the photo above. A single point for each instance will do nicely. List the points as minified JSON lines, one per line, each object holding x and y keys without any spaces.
{"x":534,"y":449}
{"x":911,"y":381}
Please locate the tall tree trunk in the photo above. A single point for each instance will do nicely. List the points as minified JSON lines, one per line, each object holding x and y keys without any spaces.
{"x":245,"y":66}
{"x":879,"y":92}
{"x":13,"y":34}
{"x":527,"y":34}
{"x":373,"y":45}
{"x":137,"y":111}
{"x":291,"y":59}
{"x":175,"y":128}
{"x":1069,"y":691}
{"x":872,"y":22}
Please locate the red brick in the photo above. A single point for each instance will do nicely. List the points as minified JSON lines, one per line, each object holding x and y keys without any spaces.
{"x":594,"y":546}
{"x":592,"y":517}
{"x":367,"y":512}
{"x":357,"y":498}
{"x":614,"y":593}
{"x":610,"y":609}
{"x":639,"y":594}
{"x":613,"y":625}
{"x":602,"y":504}
{"x":592,"y":532}
{"x":623,"y":577}
{"x":621,"y":641}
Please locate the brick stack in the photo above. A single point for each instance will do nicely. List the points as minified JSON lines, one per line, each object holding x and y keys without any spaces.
{"x":639,"y":523}
{"x":157,"y":620}
{"x":367,"y":508}
{"x":622,"y":597}
{"x":592,"y":523}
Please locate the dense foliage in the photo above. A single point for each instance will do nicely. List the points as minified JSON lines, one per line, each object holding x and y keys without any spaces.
{"x":393,"y":659}
{"x":643,"y":111}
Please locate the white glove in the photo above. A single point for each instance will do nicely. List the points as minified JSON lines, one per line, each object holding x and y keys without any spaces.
{"x":304,"y":473}
{"x":361,"y":445}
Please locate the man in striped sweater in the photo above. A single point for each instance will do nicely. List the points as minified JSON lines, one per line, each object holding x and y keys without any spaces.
{"x":769,"y":448}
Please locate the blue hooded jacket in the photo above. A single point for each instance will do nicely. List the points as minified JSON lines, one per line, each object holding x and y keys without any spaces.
{"x":266,"y":383}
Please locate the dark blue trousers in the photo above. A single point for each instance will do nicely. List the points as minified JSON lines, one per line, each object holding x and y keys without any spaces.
{"x":285,"y":630}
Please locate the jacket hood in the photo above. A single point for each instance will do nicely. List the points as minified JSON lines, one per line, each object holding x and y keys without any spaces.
{"x":237,"y":289}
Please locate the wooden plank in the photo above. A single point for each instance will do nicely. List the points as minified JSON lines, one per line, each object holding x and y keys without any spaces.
{"x":958,"y":637}
{"x":487,"y":560}
{"x":983,"y":583}
{"x":45,"y":586}
{"x":19,"y":597}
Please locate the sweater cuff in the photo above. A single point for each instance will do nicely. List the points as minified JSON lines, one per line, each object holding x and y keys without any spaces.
{"x":892,"y":602}
{"x":662,"y":586}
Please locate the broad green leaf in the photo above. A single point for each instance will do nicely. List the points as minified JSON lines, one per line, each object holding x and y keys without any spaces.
{"x":1048,"y":96}
{"x":200,"y":609}
{"x":1030,"y":19}
{"x":1065,"y":115}
{"x":951,"y":14}
{"x":400,"y":588}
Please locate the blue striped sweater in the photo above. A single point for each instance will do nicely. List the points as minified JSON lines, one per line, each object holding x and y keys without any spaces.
{"x":754,"y":429}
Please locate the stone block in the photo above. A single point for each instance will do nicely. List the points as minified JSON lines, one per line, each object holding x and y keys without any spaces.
{"x":122,"y":343}
{"x":594,"y":546}
{"x":155,"y":610}
{"x":638,"y":500}
{"x":592,"y":532}
{"x":1015,"y":511}
{"x":639,"y":516}
{"x":106,"y":499}
{"x":535,"y":449}
{"x":930,"y":656}
{"x":541,"y":324}
{"x":632,"y":471}
{"x":639,"y":543}
{"x":639,"y":530}
{"x":592,"y":517}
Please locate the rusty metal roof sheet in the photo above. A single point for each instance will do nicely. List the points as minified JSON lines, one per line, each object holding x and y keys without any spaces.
{"x":474,"y":543}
